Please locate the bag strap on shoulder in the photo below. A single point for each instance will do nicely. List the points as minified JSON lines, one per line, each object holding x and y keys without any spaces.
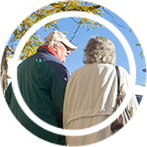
{"x":118,"y":81}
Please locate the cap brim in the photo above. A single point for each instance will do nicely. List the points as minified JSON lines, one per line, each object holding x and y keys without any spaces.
{"x":69,"y":45}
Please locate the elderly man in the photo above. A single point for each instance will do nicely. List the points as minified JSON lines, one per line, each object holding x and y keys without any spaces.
{"x":42,"y":80}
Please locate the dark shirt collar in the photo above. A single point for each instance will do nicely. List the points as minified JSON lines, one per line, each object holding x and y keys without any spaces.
{"x":50,"y":50}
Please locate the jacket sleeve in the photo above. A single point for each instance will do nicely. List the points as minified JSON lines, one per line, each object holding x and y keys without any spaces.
{"x":65,"y":104}
{"x":8,"y":94}
{"x":57,"y":93}
{"x":131,"y":102}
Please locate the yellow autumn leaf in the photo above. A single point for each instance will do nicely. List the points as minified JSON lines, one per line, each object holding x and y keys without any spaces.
{"x":26,"y":23}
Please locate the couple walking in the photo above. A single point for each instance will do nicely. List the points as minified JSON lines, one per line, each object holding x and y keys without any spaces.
{"x":42,"y":108}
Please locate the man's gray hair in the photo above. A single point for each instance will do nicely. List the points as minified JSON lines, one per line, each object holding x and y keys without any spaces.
{"x":101,"y":50}
{"x":51,"y":42}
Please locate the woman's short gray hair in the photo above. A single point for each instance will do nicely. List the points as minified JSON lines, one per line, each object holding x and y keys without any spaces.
{"x":101,"y":50}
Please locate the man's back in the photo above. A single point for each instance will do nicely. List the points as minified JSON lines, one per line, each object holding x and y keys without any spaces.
{"x":42,"y":79}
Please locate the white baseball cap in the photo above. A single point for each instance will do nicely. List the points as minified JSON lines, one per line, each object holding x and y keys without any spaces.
{"x":57,"y":36}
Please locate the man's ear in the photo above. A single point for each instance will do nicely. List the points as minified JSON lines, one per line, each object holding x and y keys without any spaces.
{"x":54,"y":47}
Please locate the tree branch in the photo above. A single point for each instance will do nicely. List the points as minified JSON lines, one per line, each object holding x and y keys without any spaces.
{"x":132,"y":20}
{"x":8,"y":49}
{"x":75,"y":32}
{"x":112,"y":18}
{"x":71,"y":11}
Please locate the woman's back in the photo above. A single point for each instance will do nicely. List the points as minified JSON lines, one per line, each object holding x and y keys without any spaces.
{"x":91,"y":91}
{"x":90,"y":98}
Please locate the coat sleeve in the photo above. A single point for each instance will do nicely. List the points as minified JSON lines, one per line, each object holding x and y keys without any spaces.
{"x":131,"y":102}
{"x":65,"y":109}
{"x":57,"y":95}
{"x":58,"y":85}
{"x":8,"y":94}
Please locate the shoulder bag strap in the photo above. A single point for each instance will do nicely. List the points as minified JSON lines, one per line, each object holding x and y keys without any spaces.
{"x":118,"y":81}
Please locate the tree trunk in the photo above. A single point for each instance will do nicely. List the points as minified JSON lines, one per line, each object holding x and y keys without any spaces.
{"x":3,"y":62}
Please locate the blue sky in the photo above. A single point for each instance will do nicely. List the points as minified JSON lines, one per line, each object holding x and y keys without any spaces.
{"x":74,"y":61}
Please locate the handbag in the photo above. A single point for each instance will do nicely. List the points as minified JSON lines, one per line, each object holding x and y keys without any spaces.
{"x":122,"y":124}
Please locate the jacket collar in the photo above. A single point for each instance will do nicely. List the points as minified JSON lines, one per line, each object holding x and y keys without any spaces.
{"x":50,"y":50}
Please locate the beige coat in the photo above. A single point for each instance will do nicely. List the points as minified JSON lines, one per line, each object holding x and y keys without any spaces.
{"x":90,"y":98}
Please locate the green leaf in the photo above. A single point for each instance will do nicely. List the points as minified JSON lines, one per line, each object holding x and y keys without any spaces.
{"x":138,"y":44}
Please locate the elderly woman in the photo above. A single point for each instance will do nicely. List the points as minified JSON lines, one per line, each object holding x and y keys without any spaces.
{"x":91,"y":92}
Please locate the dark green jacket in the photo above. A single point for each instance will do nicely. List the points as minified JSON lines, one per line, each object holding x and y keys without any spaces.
{"x":42,"y":80}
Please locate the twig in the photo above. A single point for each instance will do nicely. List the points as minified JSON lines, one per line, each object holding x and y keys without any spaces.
{"x":91,"y":7}
{"x":113,"y":18}
{"x":76,"y":32}
{"x":71,"y":11}
{"x":7,"y":48}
